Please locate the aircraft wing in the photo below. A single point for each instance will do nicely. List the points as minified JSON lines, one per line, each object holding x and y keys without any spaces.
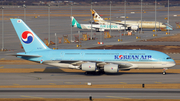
{"x":112,"y":22}
{"x":98,"y":29}
{"x":120,"y":23}
{"x":76,"y":64}
{"x":122,"y":65}
{"x":125,"y":25}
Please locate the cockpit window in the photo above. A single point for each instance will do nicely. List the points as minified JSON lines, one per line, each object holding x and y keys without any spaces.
{"x":168,"y":58}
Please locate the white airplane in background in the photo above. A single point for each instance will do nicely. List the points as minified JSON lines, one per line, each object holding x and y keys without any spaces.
{"x":97,"y":27}
{"x":132,"y":24}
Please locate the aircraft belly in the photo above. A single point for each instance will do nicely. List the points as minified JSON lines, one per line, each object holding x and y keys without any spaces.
{"x":156,"y":65}
{"x":145,"y":65}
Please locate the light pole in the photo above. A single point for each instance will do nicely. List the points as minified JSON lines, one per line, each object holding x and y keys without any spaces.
{"x":2,"y":28}
{"x":141,"y":17}
{"x":155,"y":17}
{"x":91,"y":20}
{"x":49,"y":23}
{"x":110,"y":17}
{"x":24,"y":6}
{"x":124,"y":16}
{"x":71,"y":21}
{"x":55,"y":40}
{"x":168,"y":16}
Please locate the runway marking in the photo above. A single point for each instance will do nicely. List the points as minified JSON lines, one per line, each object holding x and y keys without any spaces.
{"x":68,"y":82}
{"x":123,"y":82}
{"x":31,"y":97}
{"x":2,"y":67}
{"x":2,"y":58}
{"x":118,"y":97}
{"x":38,"y":78}
{"x":16,"y":84}
{"x":158,"y":82}
{"x":52,"y":83}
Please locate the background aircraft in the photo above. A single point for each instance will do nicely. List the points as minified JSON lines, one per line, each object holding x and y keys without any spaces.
{"x":97,"y":27}
{"x":132,"y":24}
{"x":89,"y":60}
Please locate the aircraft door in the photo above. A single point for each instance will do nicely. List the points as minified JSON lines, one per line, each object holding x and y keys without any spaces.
{"x":62,"y":54}
{"x":82,"y":54}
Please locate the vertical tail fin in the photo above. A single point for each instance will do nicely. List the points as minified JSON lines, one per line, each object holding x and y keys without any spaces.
{"x":96,"y":16}
{"x":75,"y":23}
{"x":29,"y":40}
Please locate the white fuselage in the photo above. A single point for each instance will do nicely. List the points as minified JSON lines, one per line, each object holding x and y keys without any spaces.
{"x":101,"y":26}
{"x":145,"y":24}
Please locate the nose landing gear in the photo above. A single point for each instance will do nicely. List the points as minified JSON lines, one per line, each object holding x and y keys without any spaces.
{"x":164,"y":71}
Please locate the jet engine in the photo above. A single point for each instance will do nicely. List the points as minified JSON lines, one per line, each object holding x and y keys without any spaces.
{"x":99,"y":30}
{"x":133,"y":28}
{"x":111,"y":68}
{"x":90,"y":66}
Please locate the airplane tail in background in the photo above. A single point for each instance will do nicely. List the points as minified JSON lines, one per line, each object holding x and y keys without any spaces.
{"x":169,"y":27}
{"x":96,"y":16}
{"x":29,"y":40}
{"x":75,"y":23}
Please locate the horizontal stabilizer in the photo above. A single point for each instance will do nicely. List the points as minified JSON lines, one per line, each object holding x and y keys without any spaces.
{"x":25,"y":55}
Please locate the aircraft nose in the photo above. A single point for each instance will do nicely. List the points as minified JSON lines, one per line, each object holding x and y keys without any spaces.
{"x":173,"y":63}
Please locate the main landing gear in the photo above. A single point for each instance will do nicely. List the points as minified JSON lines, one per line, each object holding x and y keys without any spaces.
{"x":164,"y":71}
{"x":94,"y":73}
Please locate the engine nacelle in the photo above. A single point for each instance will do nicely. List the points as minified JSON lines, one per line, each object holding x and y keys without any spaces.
{"x":90,"y":66}
{"x":111,"y":68}
{"x":134,"y":27}
{"x":99,"y":30}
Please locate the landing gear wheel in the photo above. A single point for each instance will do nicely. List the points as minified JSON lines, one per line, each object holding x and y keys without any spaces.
{"x":86,"y":73}
{"x":164,"y":73}
{"x":97,"y":30}
{"x":94,"y":73}
{"x":89,"y":73}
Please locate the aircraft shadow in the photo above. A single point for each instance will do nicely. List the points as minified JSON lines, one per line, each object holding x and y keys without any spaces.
{"x":147,"y":73}
{"x":50,"y":70}
{"x":58,"y":70}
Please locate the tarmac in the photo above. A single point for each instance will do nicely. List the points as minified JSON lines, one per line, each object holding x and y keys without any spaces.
{"x":41,"y":94}
{"x":60,"y":24}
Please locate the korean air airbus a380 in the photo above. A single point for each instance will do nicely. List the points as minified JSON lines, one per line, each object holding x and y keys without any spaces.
{"x":89,"y":60}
